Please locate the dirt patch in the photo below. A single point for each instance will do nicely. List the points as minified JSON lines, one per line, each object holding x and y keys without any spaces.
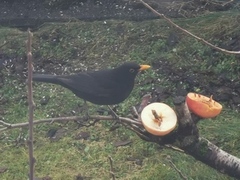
{"x":32,"y":13}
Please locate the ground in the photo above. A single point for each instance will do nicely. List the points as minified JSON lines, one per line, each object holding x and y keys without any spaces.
{"x":34,"y":13}
{"x":76,"y":42}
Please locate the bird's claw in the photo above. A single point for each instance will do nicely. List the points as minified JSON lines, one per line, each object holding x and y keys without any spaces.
{"x":114,"y":115}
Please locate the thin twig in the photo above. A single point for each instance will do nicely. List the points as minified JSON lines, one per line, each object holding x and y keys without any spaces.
{"x":187,"y":32}
{"x":224,"y":4}
{"x":61,"y":119}
{"x":134,"y":111}
{"x":30,"y":105}
{"x":111,"y":168}
{"x":174,"y":148}
{"x":4,"y":44}
{"x":175,"y":167}
{"x":145,"y":100}
{"x":3,"y":123}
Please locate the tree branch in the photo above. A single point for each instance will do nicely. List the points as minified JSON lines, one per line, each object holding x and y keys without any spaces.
{"x":199,"y":147}
{"x":185,"y":137}
{"x":187,"y":32}
{"x":30,"y":105}
{"x":7,"y":126}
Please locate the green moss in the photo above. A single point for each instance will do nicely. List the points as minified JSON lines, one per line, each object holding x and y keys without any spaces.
{"x":203,"y":148}
{"x":71,"y":47}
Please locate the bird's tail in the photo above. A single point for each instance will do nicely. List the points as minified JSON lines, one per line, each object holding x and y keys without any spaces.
{"x":46,"y":78}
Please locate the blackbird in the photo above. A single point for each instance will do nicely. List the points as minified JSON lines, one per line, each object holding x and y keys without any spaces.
{"x":103,"y":87}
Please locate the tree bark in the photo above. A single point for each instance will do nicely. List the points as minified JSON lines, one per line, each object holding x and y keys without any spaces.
{"x":201,"y":148}
{"x":215,"y":157}
{"x":186,"y":137}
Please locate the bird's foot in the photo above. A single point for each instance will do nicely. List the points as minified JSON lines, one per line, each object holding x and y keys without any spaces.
{"x":85,"y":111}
{"x":116,"y":123}
{"x":86,"y":116}
{"x":114,"y":115}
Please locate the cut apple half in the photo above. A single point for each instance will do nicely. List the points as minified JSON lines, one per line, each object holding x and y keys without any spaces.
{"x":159,"y":119}
{"x":203,"y":106}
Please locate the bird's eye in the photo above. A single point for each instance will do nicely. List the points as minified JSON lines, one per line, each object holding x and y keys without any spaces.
{"x":132,"y":70}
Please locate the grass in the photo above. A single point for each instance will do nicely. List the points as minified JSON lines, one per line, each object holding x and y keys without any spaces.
{"x":73,"y":47}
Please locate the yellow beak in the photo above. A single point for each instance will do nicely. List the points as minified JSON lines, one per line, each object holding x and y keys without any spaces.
{"x":144,"y":67}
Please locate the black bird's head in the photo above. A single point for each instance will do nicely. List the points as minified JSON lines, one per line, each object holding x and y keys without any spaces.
{"x":123,"y":77}
{"x":130,"y":69}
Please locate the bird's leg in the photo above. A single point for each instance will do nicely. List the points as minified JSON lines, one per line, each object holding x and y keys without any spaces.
{"x":115,"y":124}
{"x":85,"y":108}
{"x":113,"y":113}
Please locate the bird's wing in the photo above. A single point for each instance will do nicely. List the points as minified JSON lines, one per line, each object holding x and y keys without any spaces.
{"x":86,"y":84}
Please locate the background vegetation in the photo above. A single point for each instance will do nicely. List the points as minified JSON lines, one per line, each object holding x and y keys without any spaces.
{"x":65,"y":48}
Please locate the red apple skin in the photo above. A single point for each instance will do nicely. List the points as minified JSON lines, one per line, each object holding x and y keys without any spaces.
{"x":203,"y":106}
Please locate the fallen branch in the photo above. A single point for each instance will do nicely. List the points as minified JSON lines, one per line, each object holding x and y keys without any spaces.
{"x":187,"y":32}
